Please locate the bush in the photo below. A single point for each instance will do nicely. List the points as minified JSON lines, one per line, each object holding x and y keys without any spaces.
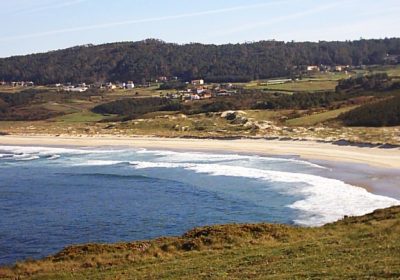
{"x":379,"y":81}
{"x":172,"y":85}
{"x":381,"y":113}
{"x":137,"y":106}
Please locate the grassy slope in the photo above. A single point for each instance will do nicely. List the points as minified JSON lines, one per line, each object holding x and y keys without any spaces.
{"x":84,"y":116}
{"x":356,"y":247}
{"x":318,"y":118}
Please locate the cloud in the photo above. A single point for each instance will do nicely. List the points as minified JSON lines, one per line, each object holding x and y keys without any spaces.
{"x":49,"y":6}
{"x":272,"y":21}
{"x":367,"y":28}
{"x":136,"y":21}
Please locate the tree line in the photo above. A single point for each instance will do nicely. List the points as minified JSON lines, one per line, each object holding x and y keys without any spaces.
{"x":149,"y":59}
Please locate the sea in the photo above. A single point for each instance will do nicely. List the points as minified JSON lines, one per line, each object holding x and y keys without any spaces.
{"x":52,"y":197}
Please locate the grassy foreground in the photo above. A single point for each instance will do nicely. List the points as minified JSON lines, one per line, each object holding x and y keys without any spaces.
{"x":355,"y":247}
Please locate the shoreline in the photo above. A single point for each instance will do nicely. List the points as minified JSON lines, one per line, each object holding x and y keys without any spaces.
{"x":376,"y":178}
{"x":375,"y":169}
{"x":308,"y":150}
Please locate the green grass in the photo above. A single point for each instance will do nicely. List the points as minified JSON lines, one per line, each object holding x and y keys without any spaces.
{"x":266,"y":115}
{"x":141,"y":92}
{"x":307,"y":85}
{"x":366,"y":247}
{"x":333,"y":76}
{"x":391,"y":70}
{"x":85,"y":116}
{"x":318,"y":117}
{"x":11,"y":89}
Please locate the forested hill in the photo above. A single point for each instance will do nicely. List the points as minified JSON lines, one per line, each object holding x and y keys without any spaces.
{"x":151,"y":58}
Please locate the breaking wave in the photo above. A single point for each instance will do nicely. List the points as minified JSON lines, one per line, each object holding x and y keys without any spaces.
{"x":324,"y":200}
{"x":320,"y":200}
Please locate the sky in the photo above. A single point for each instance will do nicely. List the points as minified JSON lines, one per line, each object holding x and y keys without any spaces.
{"x":32,"y":26}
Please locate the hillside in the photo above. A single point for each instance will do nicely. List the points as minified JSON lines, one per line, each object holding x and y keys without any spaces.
{"x":149,"y":59}
{"x":355,"y":247}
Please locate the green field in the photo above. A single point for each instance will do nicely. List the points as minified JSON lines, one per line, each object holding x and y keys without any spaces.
{"x":391,"y":70}
{"x":318,"y":118}
{"x":85,"y":116}
{"x":307,"y":85}
{"x":294,"y":86}
{"x":366,"y":247}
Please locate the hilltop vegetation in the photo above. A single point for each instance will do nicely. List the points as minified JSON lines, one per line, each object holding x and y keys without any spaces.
{"x":149,"y":59}
{"x":355,"y":247}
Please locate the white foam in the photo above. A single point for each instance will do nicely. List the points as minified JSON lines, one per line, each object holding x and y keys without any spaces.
{"x":98,"y":163}
{"x":192,"y":156}
{"x":27,"y":158}
{"x":53,"y":150}
{"x":151,"y":164}
{"x":53,"y":157}
{"x":37,"y":150}
{"x":323,"y":200}
{"x":50,"y":153}
{"x":171,"y":156}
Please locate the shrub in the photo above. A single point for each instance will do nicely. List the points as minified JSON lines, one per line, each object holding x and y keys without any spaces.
{"x":381,"y":113}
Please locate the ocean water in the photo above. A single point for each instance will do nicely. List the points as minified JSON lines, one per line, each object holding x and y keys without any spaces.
{"x":54,"y":197}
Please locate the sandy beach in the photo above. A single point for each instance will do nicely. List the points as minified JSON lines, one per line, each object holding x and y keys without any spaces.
{"x":311,"y":150}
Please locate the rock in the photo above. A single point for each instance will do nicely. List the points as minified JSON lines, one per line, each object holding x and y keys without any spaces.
{"x":232,"y":114}
{"x":228,"y":115}
{"x":239,"y":120}
{"x":251,"y":125}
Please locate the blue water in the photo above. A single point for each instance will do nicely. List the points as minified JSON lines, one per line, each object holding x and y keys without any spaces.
{"x":54,"y":197}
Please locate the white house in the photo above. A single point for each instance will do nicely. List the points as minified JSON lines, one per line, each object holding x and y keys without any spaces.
{"x":130,"y":85}
{"x":340,"y":68}
{"x":195,"y":97}
{"x":197,"y":82}
{"x":312,"y":68}
{"x":75,"y":89}
{"x":111,"y":86}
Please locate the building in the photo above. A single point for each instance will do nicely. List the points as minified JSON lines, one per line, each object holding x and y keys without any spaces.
{"x":340,"y":68}
{"x":312,"y":68}
{"x":200,"y":90}
{"x":111,"y":86}
{"x":197,"y":82}
{"x":130,"y":85}
{"x":206,"y":95}
{"x":75,"y":89}
{"x":195,"y":97}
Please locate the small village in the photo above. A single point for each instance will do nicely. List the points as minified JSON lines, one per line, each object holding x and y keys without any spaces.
{"x":192,"y":90}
